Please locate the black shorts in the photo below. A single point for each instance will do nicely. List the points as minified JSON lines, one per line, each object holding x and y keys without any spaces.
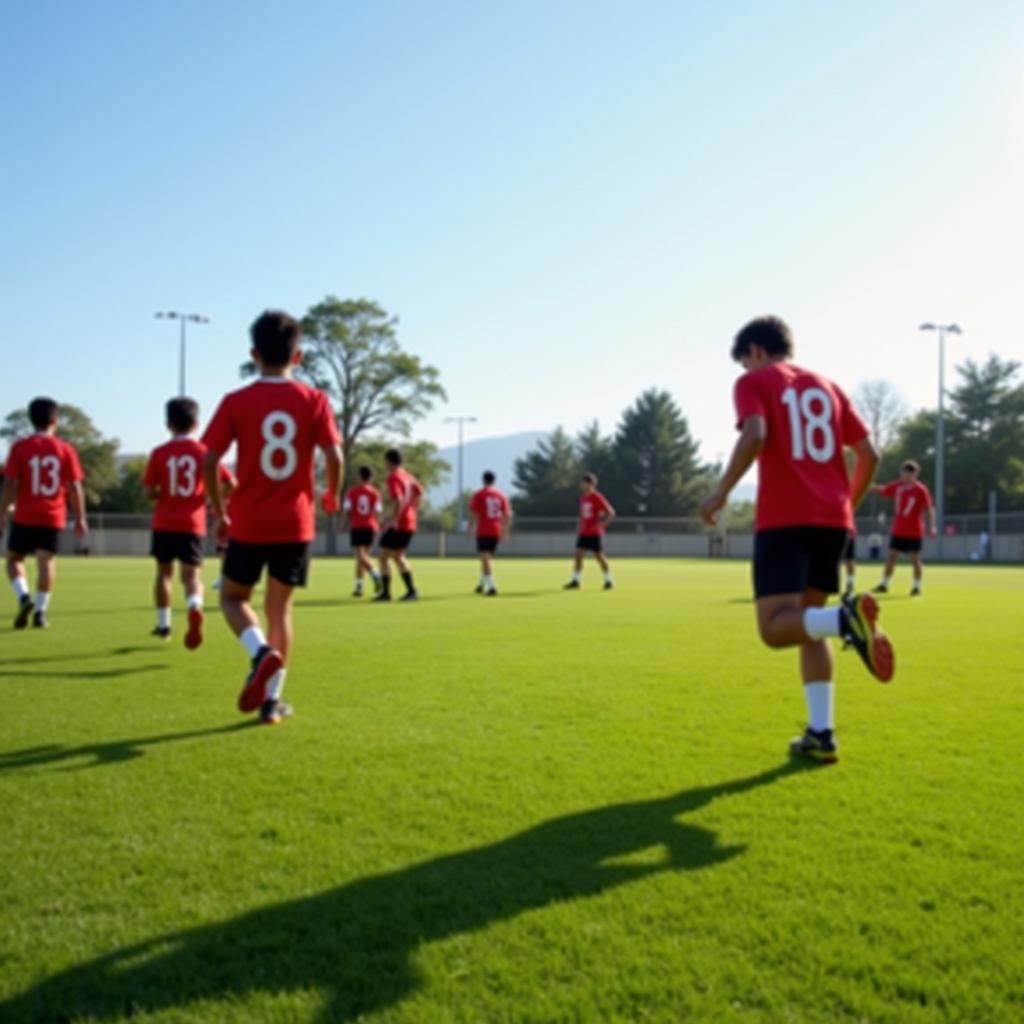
{"x":850,"y":551}
{"x":789,"y":559}
{"x":590,"y":542}
{"x":487,"y":545}
{"x":397,"y":540}
{"x":287,"y":563}
{"x":910,"y":545}
{"x":167,"y":546}
{"x":361,"y":537}
{"x":27,"y":540}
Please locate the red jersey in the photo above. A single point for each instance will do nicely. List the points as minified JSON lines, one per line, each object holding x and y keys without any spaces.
{"x":591,"y":506}
{"x":362,"y":503}
{"x":406,"y":491}
{"x":278,"y":424}
{"x":44,"y":467}
{"x":175,"y":470}
{"x":491,"y":508}
{"x":802,"y":476}
{"x":910,"y":502}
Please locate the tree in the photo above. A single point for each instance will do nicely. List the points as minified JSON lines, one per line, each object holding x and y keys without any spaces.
{"x":127,"y":495}
{"x":883,"y":408}
{"x":595,"y":453}
{"x":547,"y":478}
{"x":96,"y":452}
{"x":418,"y":457}
{"x":656,"y":460}
{"x":350,"y":350}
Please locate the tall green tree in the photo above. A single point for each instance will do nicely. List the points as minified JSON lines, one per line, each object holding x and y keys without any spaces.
{"x":419,"y":457}
{"x":595,"y":453}
{"x":98,"y":454}
{"x":547,"y":477}
{"x":127,"y":495}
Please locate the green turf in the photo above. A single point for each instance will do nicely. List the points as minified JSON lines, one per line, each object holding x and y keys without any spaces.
{"x":545,"y":807}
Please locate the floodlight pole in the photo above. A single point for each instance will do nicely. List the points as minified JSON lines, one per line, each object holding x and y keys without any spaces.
{"x":461,"y":421}
{"x":183,"y":318}
{"x":940,"y":430}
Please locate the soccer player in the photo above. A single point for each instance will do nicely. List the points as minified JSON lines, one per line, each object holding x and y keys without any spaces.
{"x":796,"y":424}
{"x":596,"y":513}
{"x":911,"y":500}
{"x":362,"y":507}
{"x":277,"y":424}
{"x":404,"y":494}
{"x":174,"y":480}
{"x":490,"y":514}
{"x":42,"y":473}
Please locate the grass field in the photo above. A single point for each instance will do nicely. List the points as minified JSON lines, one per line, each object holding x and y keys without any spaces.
{"x":545,"y":807}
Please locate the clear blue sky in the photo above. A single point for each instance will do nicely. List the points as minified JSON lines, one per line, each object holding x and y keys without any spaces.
{"x":563,"y":202}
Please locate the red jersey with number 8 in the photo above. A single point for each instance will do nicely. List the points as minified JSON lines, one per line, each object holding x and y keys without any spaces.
{"x":277,"y":423}
{"x":362,"y":503}
{"x":44,"y":467}
{"x":802,"y":475}
{"x":910,"y":502}
{"x":176,"y":470}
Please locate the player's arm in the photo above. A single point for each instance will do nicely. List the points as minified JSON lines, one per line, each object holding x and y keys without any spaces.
{"x":745,"y":452}
{"x":77,"y":495}
{"x":506,"y":522}
{"x":933,"y":527}
{"x":7,"y":499}
{"x":607,"y":514}
{"x":211,"y":478}
{"x":863,"y":470}
{"x":329,"y":500}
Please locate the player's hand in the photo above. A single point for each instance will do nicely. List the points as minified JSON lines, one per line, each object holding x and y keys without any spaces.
{"x":933,"y":532}
{"x":81,"y":528}
{"x":329,"y":503}
{"x":710,"y":507}
{"x":221,"y":530}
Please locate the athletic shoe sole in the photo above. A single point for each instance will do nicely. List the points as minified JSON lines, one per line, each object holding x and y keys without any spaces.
{"x":877,"y":651}
{"x":194,"y":636}
{"x":255,"y":690}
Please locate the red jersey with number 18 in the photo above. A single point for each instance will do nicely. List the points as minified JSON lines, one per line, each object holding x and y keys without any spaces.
{"x":277,"y":424}
{"x":176,"y":470}
{"x":490,"y":506}
{"x":44,"y":466}
{"x":802,"y":476}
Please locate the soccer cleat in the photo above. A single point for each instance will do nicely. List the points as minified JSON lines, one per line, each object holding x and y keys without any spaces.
{"x":382,"y":597}
{"x":273,"y":711}
{"x":479,"y":589}
{"x":24,"y":613}
{"x":493,"y":592}
{"x":881,"y":589}
{"x":410,"y":595}
{"x":264,"y":666}
{"x":858,"y":629}
{"x":378,"y":586}
{"x":818,"y":746}
{"x":572,"y":585}
{"x":608,"y":585}
{"x":39,"y":620}
{"x":915,"y":592}
{"x":194,"y":636}
{"x":163,"y":632}
{"x":358,"y":592}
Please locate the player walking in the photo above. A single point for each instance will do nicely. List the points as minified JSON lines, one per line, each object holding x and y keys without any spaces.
{"x":362,"y":507}
{"x":796,"y":424}
{"x":490,"y":514}
{"x":277,"y":424}
{"x":42,"y":473}
{"x":596,"y":513}
{"x":404,"y":494}
{"x":911,"y":500}
{"x":174,"y":480}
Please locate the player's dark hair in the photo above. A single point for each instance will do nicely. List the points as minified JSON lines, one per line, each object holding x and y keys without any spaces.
{"x":365,"y":474}
{"x":589,"y":478}
{"x":393,"y":457}
{"x":767,"y":332}
{"x":182,"y":414}
{"x":489,"y":478}
{"x":275,"y":336}
{"x":42,"y":412}
{"x":911,"y":466}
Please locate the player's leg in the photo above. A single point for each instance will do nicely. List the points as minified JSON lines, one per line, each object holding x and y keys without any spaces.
{"x":816,"y":670}
{"x":386,"y":556}
{"x":162,"y":599}
{"x":577,"y":567}
{"x":890,"y":565}
{"x":402,"y":561}
{"x":46,"y":577}
{"x":19,"y":584}
{"x":287,"y":569}
{"x":918,"y":565}
{"x":366,"y":554}
{"x":192,"y":581}
{"x":482,"y":582}
{"x":487,"y":564}
{"x":602,"y":561}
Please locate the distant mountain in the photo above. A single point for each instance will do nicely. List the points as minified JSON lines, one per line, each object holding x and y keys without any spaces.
{"x":497,"y":454}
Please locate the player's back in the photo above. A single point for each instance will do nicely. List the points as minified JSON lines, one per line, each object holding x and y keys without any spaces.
{"x":802,"y":474}
{"x":405,"y":489}
{"x":490,"y":505}
{"x":44,"y":466}
{"x":362,"y":502}
{"x":176,"y":468}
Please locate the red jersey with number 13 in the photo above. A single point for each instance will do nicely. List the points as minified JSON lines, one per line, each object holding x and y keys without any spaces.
{"x":44,"y":466}
{"x":176,"y":469}
{"x":490,"y":506}
{"x":277,"y":424}
{"x":910,"y":502}
{"x":802,"y":476}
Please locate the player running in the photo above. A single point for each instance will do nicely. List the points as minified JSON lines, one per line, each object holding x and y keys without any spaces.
{"x":796,"y":424}
{"x":42,"y":473}
{"x":596,"y":513}
{"x":277,"y":424}
{"x":911,"y":500}
{"x":490,"y":514}
{"x":404,"y":494}
{"x":362,"y":507}
{"x":174,"y":480}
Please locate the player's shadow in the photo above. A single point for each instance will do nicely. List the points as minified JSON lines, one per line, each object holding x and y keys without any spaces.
{"x":45,"y":659}
{"x":94,"y":755}
{"x":82,"y":673}
{"x":357,"y":944}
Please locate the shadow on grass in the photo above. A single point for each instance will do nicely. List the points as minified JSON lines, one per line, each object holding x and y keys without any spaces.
{"x":357,"y":943}
{"x":98,"y":673}
{"x":114,"y":752}
{"x":43,"y":659}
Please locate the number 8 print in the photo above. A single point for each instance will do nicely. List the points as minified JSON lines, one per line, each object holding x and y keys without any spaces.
{"x":278,"y":431}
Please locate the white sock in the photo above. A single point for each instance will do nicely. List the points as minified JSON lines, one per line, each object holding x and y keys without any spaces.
{"x":575,"y":577}
{"x":918,"y":582}
{"x":819,"y":705}
{"x":488,"y":582}
{"x":886,"y":578}
{"x":483,"y":580}
{"x":851,"y":580}
{"x":252,"y":640}
{"x":359,"y":583}
{"x":820,"y":623}
{"x":42,"y":600}
{"x":195,"y":601}
{"x":276,"y":684}
{"x":20,"y":585}
{"x":608,"y":576}
{"x":163,"y":618}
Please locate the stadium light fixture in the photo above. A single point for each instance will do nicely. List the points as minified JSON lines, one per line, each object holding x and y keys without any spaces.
{"x":461,"y":421}
{"x":183,"y":318}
